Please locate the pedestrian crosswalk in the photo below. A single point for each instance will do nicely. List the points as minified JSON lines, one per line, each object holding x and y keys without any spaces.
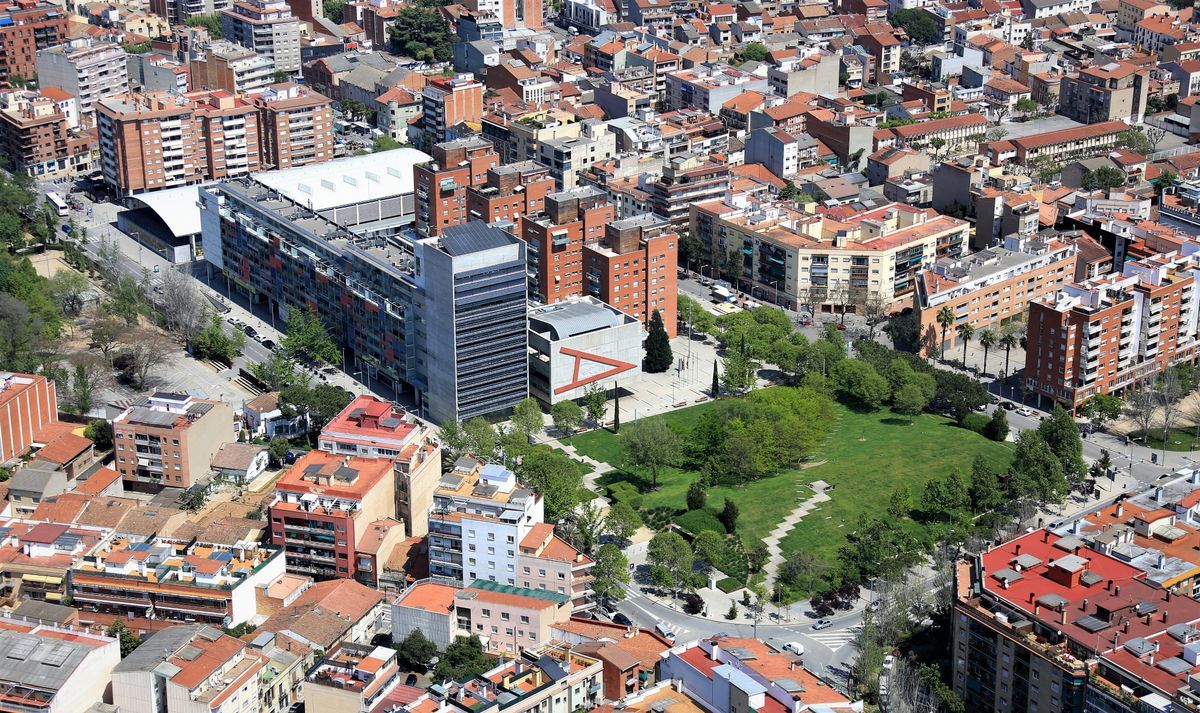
{"x":834,"y":640}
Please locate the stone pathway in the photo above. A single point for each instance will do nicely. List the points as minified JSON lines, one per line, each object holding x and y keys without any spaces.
{"x":795,"y":516}
{"x":598,"y":468}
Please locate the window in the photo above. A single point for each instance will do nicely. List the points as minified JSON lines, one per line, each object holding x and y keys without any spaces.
{"x":486,"y":612}
{"x":524,"y":620}
{"x":504,"y":616}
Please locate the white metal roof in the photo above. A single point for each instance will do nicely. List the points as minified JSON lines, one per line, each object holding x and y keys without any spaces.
{"x":177,"y":207}
{"x":349,"y":180}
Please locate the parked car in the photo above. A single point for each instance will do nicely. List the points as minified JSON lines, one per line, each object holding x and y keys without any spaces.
{"x":250,"y":331}
{"x":821,"y":624}
{"x":1009,"y":405}
{"x":268,"y":344}
{"x":1025,"y":411}
{"x":875,"y":605}
{"x":621,"y":619}
{"x":795,"y":647}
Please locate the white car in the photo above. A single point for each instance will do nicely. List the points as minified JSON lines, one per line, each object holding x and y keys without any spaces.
{"x":1025,"y":411}
{"x":795,"y":647}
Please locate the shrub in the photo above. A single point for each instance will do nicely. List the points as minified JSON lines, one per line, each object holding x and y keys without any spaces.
{"x":733,"y":611}
{"x":976,"y":422}
{"x":692,"y":603}
{"x":698,"y":521}
{"x":626,"y":492}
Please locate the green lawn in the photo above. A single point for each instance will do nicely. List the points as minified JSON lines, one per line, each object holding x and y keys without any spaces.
{"x":866,"y":456}
{"x":1179,"y":439}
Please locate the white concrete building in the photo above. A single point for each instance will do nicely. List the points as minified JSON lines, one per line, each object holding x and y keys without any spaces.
{"x":87,"y":69}
{"x":576,"y":344}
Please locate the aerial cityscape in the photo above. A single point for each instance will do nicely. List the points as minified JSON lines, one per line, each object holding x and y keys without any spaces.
{"x":643,"y":356}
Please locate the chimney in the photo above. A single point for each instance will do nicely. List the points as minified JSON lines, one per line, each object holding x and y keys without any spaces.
{"x":1121,"y":509}
{"x":1083,"y":604}
{"x":1116,"y":591}
{"x":1108,"y":587}
{"x":1158,"y":494}
{"x":1063,"y":616}
{"x":1018,"y":548}
{"x":1164,"y":616}
{"x":1125,"y":627}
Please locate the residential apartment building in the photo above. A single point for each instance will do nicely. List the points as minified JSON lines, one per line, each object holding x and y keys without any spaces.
{"x":524,"y":14}
{"x":352,"y":678}
{"x":177,"y":12}
{"x":1043,"y":622}
{"x":228,"y":131}
{"x":447,"y":102}
{"x":731,"y":674}
{"x":28,"y":404}
{"x":441,"y":184}
{"x":551,"y":678}
{"x":375,"y":296}
{"x":148,"y":142}
{"x":685,"y":180}
{"x":266,"y":26}
{"x":221,"y":64}
{"x":54,"y":669}
{"x":706,"y":87}
{"x":782,"y":153}
{"x":634,"y":268}
{"x":36,"y":558}
{"x":567,"y":156}
{"x":1113,"y":92}
{"x":547,"y":563}
{"x":508,"y":619}
{"x":479,"y":518}
{"x":87,"y":69}
{"x":168,"y":440}
{"x":159,"y":578}
{"x":1114,"y":331}
{"x":296,"y":125}
{"x":372,"y":428}
{"x":555,"y":239}
{"x":323,"y":505}
{"x":812,"y":73}
{"x":509,"y":192}
{"x":991,"y":288}
{"x":191,"y":669}
{"x":27,"y":26}
{"x":823,"y":261}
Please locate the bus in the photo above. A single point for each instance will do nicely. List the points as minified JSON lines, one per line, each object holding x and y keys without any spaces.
{"x":722,"y":294}
{"x":56,"y":202}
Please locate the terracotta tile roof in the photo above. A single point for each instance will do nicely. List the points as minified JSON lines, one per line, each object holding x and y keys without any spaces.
{"x":236,"y":456}
{"x":99,"y":480}
{"x":429,"y":596}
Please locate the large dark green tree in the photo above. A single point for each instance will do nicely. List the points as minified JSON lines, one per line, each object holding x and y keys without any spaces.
{"x":658,"y":346}
{"x":421,"y":33}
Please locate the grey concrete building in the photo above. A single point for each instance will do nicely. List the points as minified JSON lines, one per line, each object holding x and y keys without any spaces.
{"x":266,"y":26}
{"x":87,"y":69}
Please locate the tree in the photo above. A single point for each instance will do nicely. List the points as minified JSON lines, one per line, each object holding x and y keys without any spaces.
{"x":128,"y":640}
{"x":651,"y":444}
{"x":997,"y":427}
{"x":594,"y":399}
{"x":1155,"y":135}
{"x":1036,"y":471}
{"x":214,"y":343}
{"x":146,"y":351}
{"x":965,"y":332}
{"x":212,"y":23}
{"x":182,"y":306}
{"x":554,"y":475}
{"x":1103,"y":467}
{"x":89,"y":374}
{"x":1140,"y":405}
{"x":757,"y":556}
{"x":421,"y":33}
{"x":671,"y":561}
{"x":318,"y":404}
{"x":622,"y":521}
{"x":694,"y":315}
{"x":307,"y":338}
{"x":709,"y":547}
{"x":900,"y":503}
{"x":277,"y":373}
{"x":755,"y":52}
{"x":277,"y":450}
{"x":414,"y":651}
{"x":729,"y":516}
{"x":609,"y":573}
{"x":985,"y":492}
{"x":1167,"y":393}
{"x":67,"y":288}
{"x":527,"y":417}
{"x":1103,"y":179}
{"x":1135,"y":140}
{"x":733,"y":611}
{"x":567,"y":416}
{"x":463,"y":658}
{"x":945,"y":318}
{"x":1061,"y":435}
{"x":658,"y":346}
{"x":987,"y":340}
{"x":909,"y":401}
{"x":100,"y":433}
{"x":481,"y":437}
{"x":585,"y":529}
{"x":1008,"y":341}
{"x":1026,"y":106}
{"x":696,"y":495}
{"x":333,"y":10}
{"x":919,"y":26}
{"x":1102,"y":408}
{"x":857,"y":380}
{"x":193,"y":498}
{"x":946,"y":499}
{"x":616,"y":410}
{"x":1165,"y":180}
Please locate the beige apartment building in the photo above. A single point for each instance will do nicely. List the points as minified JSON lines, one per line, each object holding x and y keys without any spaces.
{"x":296,"y":124}
{"x":800,"y":258}
{"x":229,"y":134}
{"x":222,"y":64}
{"x":87,"y":69}
{"x":549,"y":563}
{"x":169,"y":439}
{"x":991,"y":288}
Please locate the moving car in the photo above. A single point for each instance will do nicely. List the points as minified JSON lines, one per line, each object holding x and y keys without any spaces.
{"x":621,"y":619}
{"x":821,"y":624}
{"x":1024,"y":411}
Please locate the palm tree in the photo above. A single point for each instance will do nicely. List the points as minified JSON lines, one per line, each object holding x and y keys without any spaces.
{"x":987,"y":340}
{"x":1008,"y":341}
{"x":945,"y":318}
{"x":965,"y":332}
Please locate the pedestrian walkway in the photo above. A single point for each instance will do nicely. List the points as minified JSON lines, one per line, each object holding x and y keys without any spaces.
{"x":834,"y":640}
{"x":775,"y":558}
